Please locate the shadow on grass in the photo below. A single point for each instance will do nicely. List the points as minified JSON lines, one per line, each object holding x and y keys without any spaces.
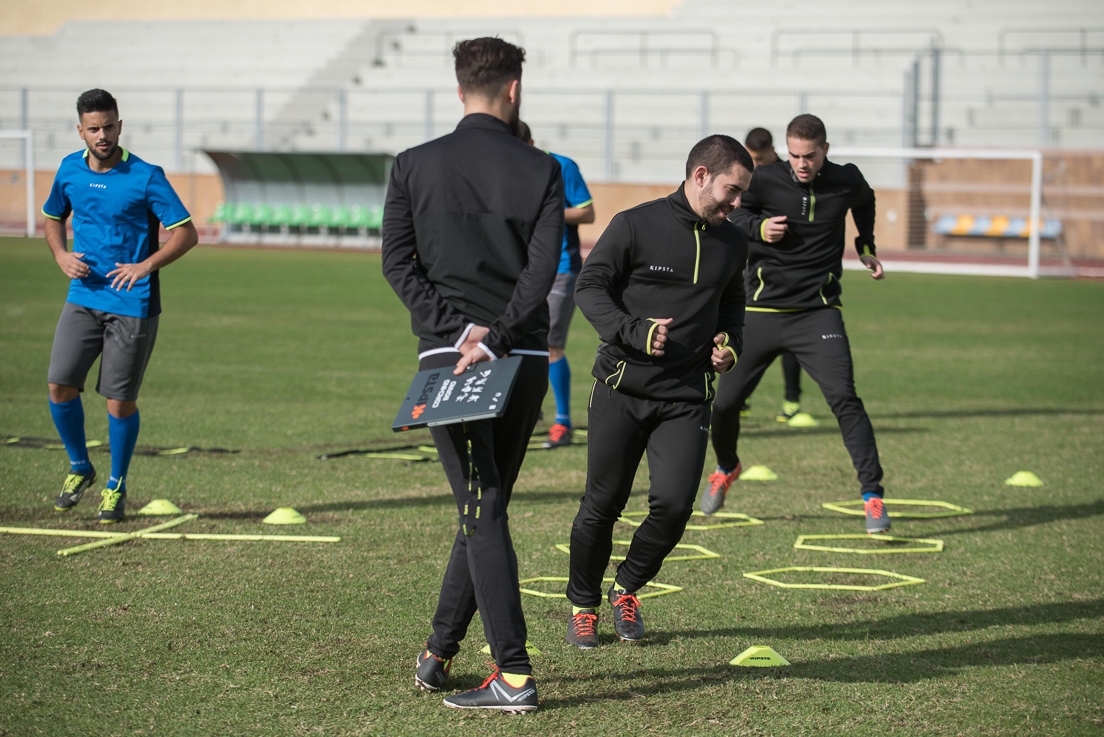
{"x":432,"y":501}
{"x":829,"y":427}
{"x":970,"y":413}
{"x":1030,"y":516}
{"x":909,"y":625}
{"x":910,"y":667}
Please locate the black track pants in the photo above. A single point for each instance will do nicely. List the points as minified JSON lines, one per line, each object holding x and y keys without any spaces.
{"x":482,"y":570}
{"x":791,"y":373}
{"x":621,"y":428}
{"x":818,"y":341}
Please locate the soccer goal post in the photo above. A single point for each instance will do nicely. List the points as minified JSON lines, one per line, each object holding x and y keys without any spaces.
{"x":11,"y":161}
{"x":958,"y":211}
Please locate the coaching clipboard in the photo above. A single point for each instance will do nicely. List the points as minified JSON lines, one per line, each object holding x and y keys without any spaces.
{"x":437,"y":397}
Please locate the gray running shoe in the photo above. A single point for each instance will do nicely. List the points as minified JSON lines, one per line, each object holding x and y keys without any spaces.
{"x":73,"y":489}
{"x":627,"y":622}
{"x":877,"y":518}
{"x":582,"y":630}
{"x":497,"y":694}
{"x":432,"y":671}
{"x":716,"y":489}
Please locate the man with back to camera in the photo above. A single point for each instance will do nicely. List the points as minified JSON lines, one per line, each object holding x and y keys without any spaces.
{"x":794,"y":215}
{"x":578,"y":210}
{"x":471,"y":238}
{"x":664,"y":289}
{"x":760,"y":144}
{"x":117,"y":202}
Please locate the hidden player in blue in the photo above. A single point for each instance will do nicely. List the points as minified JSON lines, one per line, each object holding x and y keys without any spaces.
{"x":117,"y":203}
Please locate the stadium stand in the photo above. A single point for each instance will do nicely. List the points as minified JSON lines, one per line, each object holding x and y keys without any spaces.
{"x":625,"y":96}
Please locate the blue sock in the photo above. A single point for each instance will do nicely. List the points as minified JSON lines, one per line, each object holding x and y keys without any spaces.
{"x":124,"y":436}
{"x":69,"y":421}
{"x":868,"y":495}
{"x":559,"y":376}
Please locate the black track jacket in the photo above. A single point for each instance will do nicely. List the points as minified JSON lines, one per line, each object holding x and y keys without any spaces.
{"x":472,"y":228}
{"x":660,"y":260}
{"x":802,"y":271}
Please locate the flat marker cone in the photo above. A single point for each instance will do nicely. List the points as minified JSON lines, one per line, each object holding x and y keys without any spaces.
{"x":160,"y":507}
{"x":803,"y":419}
{"x":1023,"y":478}
{"x":758,"y":473}
{"x":759,"y":656}
{"x":285,"y":516}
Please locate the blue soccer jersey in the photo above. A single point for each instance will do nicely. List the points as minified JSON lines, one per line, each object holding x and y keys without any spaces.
{"x":576,"y":194}
{"x":116,"y":216}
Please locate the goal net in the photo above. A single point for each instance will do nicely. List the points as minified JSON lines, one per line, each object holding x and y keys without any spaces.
{"x":961,"y":211}
{"x":18,"y":214}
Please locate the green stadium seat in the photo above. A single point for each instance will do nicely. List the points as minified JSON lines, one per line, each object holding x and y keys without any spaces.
{"x":319,"y":216}
{"x":367,"y":218}
{"x":221,"y":214}
{"x":281,"y":216}
{"x":340,"y":218}
{"x":261,"y":215}
{"x":240,"y":214}
{"x":300,"y":216}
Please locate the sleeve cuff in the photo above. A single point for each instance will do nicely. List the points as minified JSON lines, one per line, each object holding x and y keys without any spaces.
{"x":762,"y":225}
{"x":52,"y":217}
{"x":651,"y":332}
{"x":488,"y":351}
{"x":178,"y":224}
{"x":464,"y":336}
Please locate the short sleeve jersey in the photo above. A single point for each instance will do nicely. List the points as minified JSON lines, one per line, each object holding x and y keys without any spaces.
{"x":116,"y":216}
{"x":576,"y":194}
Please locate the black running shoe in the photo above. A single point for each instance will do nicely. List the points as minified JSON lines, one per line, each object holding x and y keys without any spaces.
{"x":496,"y":693}
{"x":627,"y":622}
{"x":582,"y":630}
{"x":113,"y":506}
{"x":432,"y":671}
{"x":73,"y":489}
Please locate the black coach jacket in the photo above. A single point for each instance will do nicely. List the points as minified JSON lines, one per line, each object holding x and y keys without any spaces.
{"x":802,"y":271}
{"x":472,"y":229}
{"x":660,"y":260}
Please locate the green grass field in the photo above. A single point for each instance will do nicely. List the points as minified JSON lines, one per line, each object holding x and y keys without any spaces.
{"x":284,"y":356}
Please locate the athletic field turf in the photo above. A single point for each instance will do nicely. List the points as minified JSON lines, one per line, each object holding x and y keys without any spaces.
{"x":284,"y":356}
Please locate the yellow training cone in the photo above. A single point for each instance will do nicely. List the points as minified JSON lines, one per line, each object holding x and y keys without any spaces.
{"x":160,"y":507}
{"x":803,"y":419}
{"x":1023,"y":478}
{"x":285,"y":516}
{"x":759,"y":656}
{"x":758,"y":473}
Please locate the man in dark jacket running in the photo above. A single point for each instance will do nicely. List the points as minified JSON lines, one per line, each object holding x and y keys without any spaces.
{"x":471,"y":239}
{"x":664,"y":290}
{"x":794,"y":215}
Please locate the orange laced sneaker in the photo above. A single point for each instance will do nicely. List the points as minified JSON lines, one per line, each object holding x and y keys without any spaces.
{"x":716,"y":488}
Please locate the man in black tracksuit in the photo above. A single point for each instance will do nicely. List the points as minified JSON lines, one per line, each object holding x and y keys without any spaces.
{"x":663,"y":289}
{"x":471,"y":241}
{"x":794,"y":215}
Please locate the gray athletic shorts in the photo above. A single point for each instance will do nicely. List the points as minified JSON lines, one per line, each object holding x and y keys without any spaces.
{"x":561,"y":305}
{"x":125,"y":342}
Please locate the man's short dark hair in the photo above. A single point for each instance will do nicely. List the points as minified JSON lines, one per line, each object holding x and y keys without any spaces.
{"x":485,"y":65}
{"x":523,"y":131}
{"x":807,"y":128}
{"x":759,"y":139}
{"x":717,"y":154}
{"x":96,"y":101}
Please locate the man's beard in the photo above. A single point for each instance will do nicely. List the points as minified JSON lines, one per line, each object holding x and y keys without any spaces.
{"x":102,"y":156}
{"x":710,"y":208}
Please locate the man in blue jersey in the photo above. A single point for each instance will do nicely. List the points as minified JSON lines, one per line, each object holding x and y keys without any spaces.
{"x":578,"y":210}
{"x":116,"y":201}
